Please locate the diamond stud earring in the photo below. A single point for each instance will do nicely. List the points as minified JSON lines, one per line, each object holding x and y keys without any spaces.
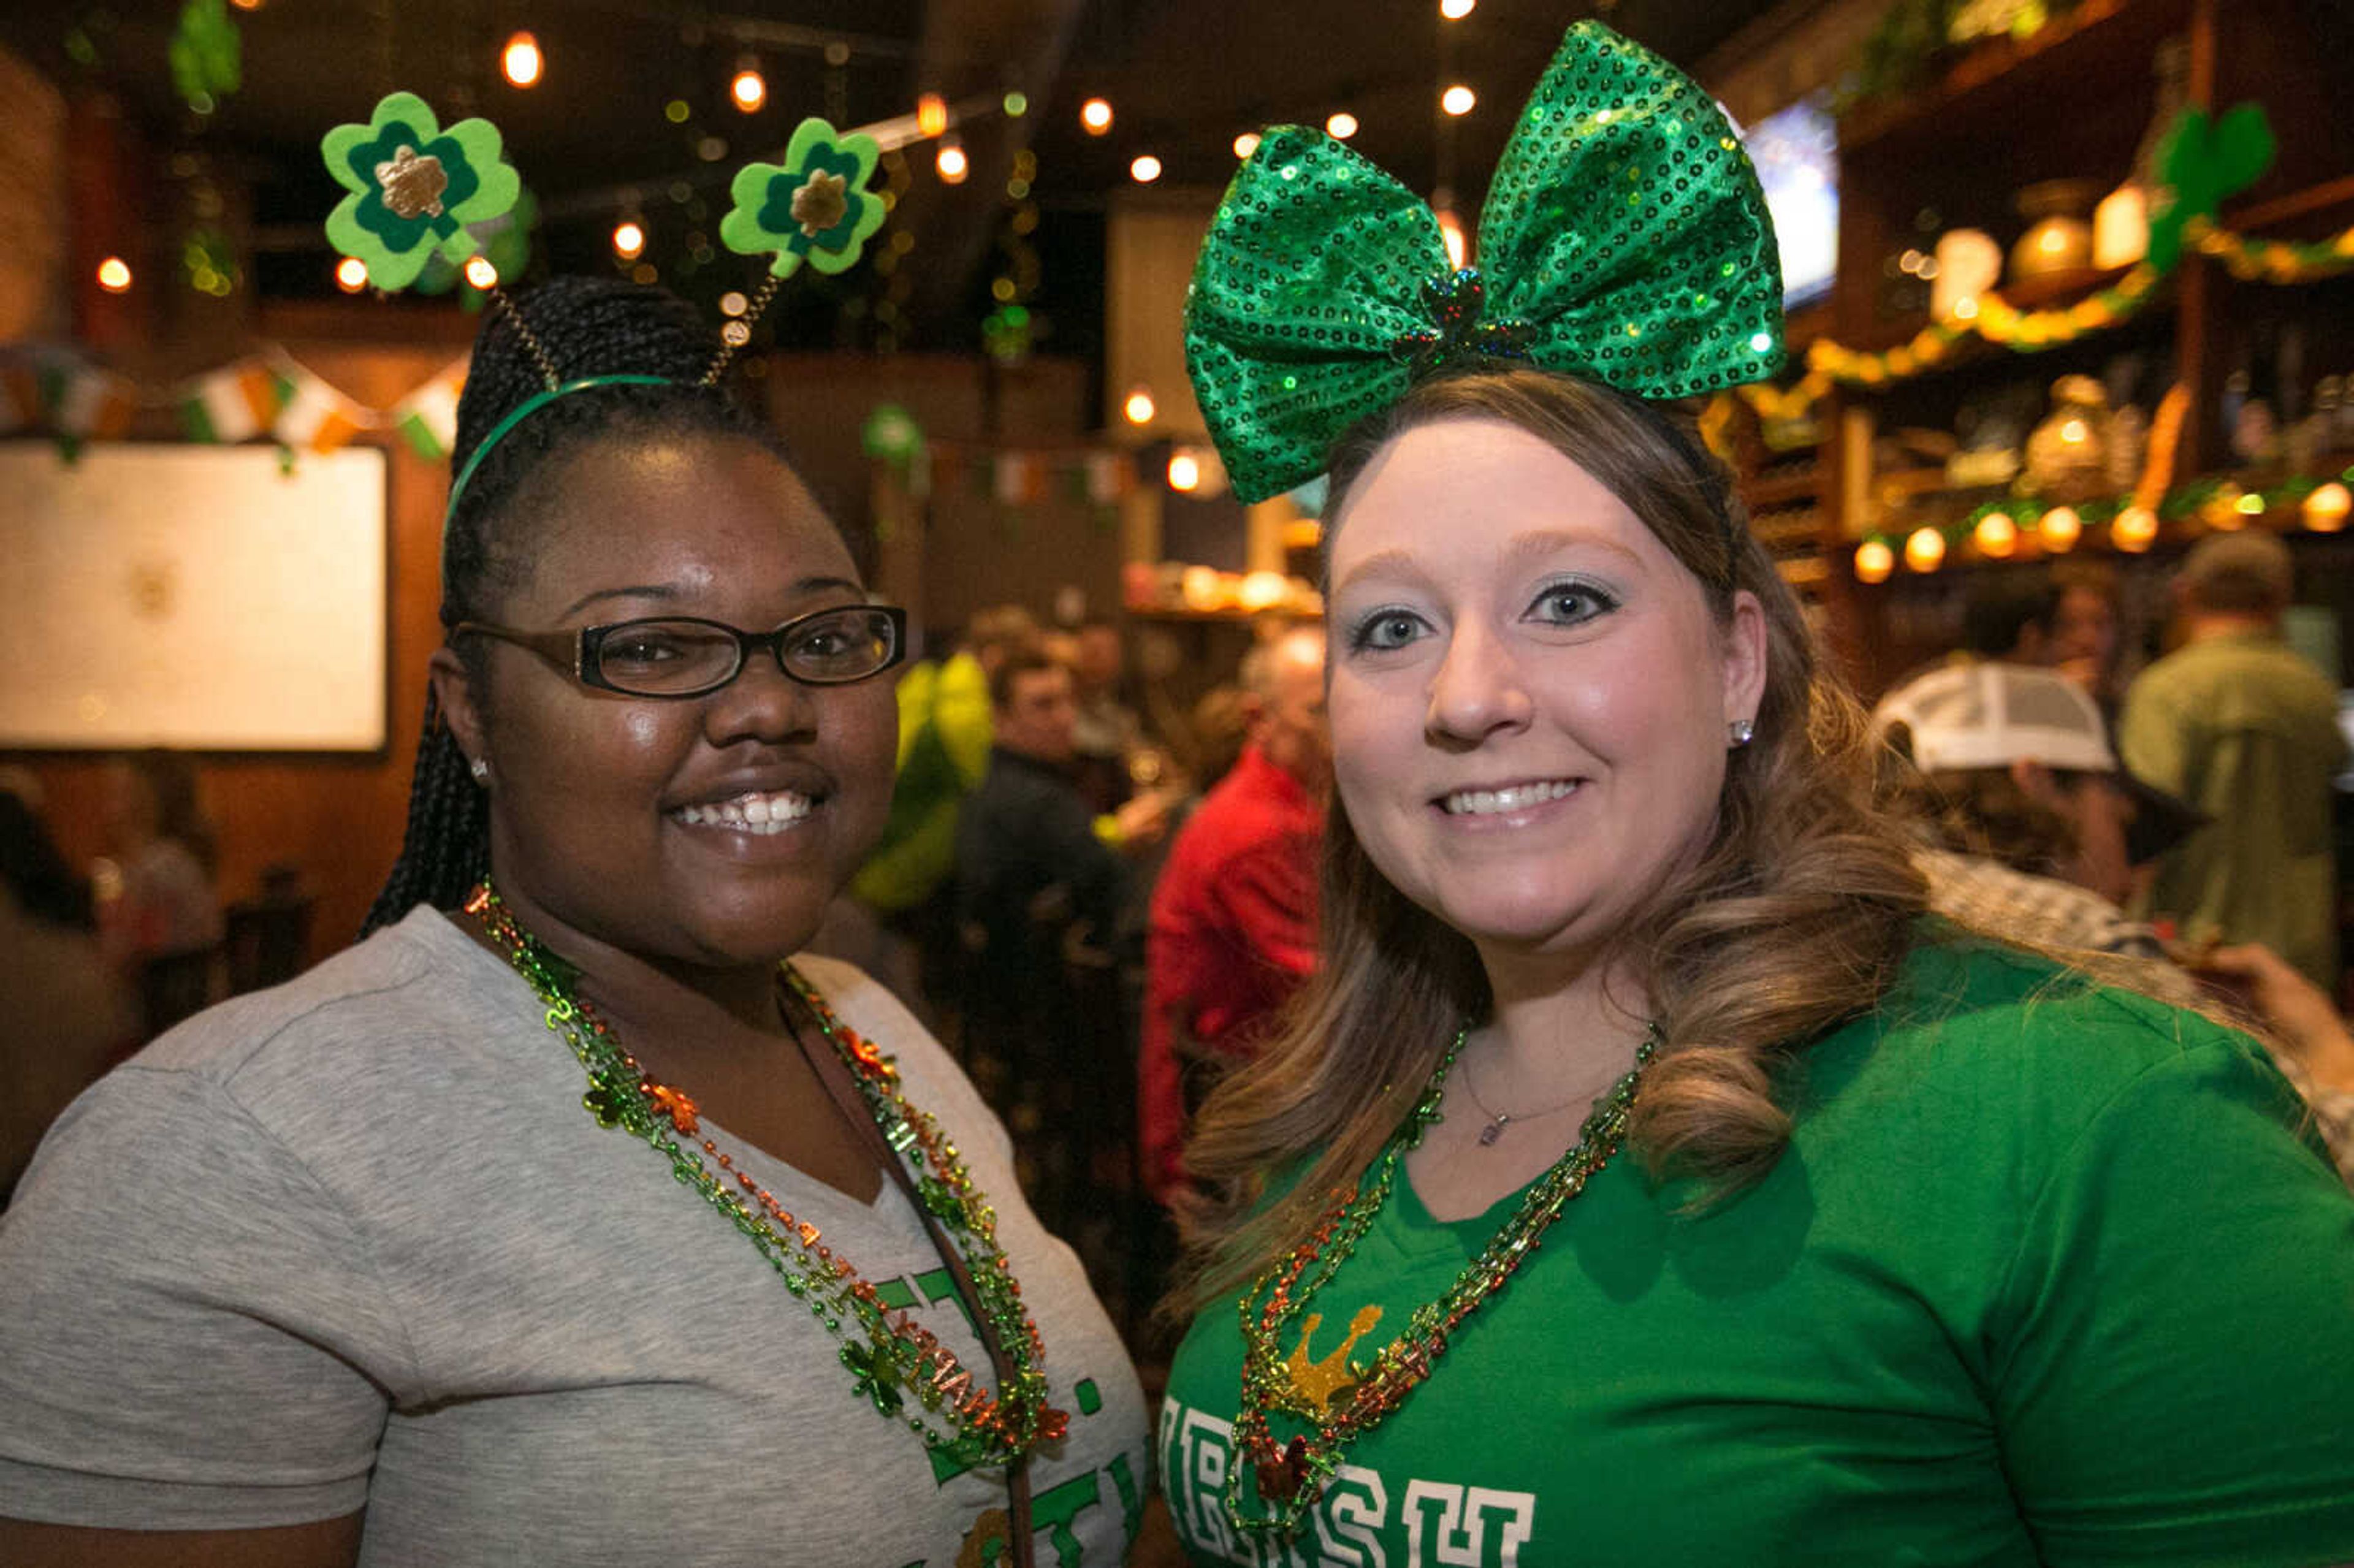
{"x":481,"y":769}
{"x":1740,"y":731}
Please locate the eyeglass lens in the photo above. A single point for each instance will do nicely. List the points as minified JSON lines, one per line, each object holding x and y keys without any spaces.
{"x":664,"y":658}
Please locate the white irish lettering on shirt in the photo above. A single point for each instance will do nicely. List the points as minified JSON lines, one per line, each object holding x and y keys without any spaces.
{"x":1462,"y":1527}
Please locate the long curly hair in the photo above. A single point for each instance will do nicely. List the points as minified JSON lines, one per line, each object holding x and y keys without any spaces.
{"x":1793,"y":922}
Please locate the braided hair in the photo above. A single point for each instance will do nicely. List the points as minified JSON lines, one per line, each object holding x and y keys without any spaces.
{"x":584,"y":326}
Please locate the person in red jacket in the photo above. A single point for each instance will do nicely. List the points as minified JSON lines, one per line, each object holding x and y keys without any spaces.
{"x":1232,"y":927}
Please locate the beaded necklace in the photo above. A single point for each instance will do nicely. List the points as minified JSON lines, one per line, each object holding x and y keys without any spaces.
{"x":902,"y":1369}
{"x":1291,"y":1476}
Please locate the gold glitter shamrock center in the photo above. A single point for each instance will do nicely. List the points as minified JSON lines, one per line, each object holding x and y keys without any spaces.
{"x":412,"y":186}
{"x":821,"y":202}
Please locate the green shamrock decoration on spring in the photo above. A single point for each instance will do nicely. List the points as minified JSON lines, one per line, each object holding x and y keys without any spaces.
{"x":2199,"y":164}
{"x":414,"y":188}
{"x":813,"y":207}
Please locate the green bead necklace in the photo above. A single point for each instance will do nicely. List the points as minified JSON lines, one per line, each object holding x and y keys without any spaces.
{"x":1291,"y":1477}
{"x":902,"y":1369}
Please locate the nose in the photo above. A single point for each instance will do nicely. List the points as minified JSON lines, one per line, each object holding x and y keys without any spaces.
{"x":761,"y":703}
{"x":1478,"y":690}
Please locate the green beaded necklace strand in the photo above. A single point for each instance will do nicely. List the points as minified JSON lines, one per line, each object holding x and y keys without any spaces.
{"x":903,"y":1370}
{"x":1291,"y":1476}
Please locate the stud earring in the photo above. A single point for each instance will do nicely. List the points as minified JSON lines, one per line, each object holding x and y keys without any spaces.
{"x":481,"y":769}
{"x":1739,"y":731}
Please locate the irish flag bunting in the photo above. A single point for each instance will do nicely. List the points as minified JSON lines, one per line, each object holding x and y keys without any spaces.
{"x":231,"y":405}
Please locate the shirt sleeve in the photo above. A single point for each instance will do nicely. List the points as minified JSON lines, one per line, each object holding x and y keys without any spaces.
{"x":2153,"y":743}
{"x":191,"y":1334}
{"x":1269,"y":889}
{"x":2175,"y":1374}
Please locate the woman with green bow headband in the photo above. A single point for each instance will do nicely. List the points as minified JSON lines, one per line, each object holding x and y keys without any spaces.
{"x":1644,"y":1178}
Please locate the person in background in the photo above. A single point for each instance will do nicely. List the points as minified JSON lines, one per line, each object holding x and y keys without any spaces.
{"x":1637,"y":1138}
{"x":1107,"y":732}
{"x":1232,"y":932}
{"x":2244,"y":728}
{"x":158,"y":898}
{"x":2083,"y":638}
{"x":568,"y":1217}
{"x":65,"y":1014}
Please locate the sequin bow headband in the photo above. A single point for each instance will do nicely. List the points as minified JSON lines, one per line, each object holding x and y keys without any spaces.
{"x":1624,"y":239}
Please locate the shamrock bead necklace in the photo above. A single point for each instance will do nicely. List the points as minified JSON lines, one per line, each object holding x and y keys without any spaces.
{"x":1291,"y":1477}
{"x":901,"y":1368}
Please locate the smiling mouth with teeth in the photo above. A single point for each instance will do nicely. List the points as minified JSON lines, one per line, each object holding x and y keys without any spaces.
{"x":1494,"y":802}
{"x":750,"y":813}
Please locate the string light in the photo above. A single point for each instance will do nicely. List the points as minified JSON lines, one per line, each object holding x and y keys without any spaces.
{"x":1924,"y":551}
{"x":1995,"y":536}
{"x":1095,"y":116}
{"x":1140,"y":408}
{"x":1874,"y":561}
{"x":931,"y":114}
{"x":1184,"y":472}
{"x":951,"y":163}
{"x":2059,"y":528}
{"x":629,"y":239}
{"x":1456,"y":10}
{"x":350,"y":274}
{"x":2135,"y":529}
{"x":1016,"y":105}
{"x":1247,"y":143}
{"x":1341,"y":126}
{"x":521,"y":60}
{"x":2325,"y":508}
{"x":482,"y":274}
{"x":1144,"y":169}
{"x":749,"y":89}
{"x":1458,"y":99}
{"x":114,"y":275}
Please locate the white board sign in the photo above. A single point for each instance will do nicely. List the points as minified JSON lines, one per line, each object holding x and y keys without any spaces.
{"x":198,"y":598}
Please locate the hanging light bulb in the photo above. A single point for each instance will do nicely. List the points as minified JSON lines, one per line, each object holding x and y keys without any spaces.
{"x":1341,"y":126}
{"x":1456,"y":10}
{"x":629,"y":239}
{"x":114,"y":275}
{"x":1184,"y":472}
{"x":2325,"y":510}
{"x":2059,"y":528}
{"x":931,"y":114}
{"x":1095,"y":115}
{"x":1247,"y":143}
{"x":521,"y":60}
{"x":1874,"y":561}
{"x":1995,"y":536}
{"x":749,"y":89}
{"x":1140,"y":408}
{"x":350,"y":274}
{"x":1145,"y":169}
{"x":1925,"y":549}
{"x":1458,"y":99}
{"x":951,"y":163}
{"x":482,"y":274}
{"x":2135,"y":529}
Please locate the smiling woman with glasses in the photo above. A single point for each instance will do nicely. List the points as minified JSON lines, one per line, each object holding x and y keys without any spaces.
{"x":570,"y":1216}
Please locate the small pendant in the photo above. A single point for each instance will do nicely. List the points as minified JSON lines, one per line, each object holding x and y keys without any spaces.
{"x":1492,"y":1131}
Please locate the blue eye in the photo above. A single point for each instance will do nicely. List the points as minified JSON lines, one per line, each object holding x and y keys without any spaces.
{"x":1384,"y":629}
{"x":1571,"y":603}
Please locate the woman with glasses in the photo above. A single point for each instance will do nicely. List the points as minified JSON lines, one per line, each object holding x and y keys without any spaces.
{"x":567,"y":1217}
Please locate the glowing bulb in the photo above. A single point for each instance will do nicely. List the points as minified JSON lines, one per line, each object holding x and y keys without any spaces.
{"x":1016,"y":105}
{"x":2135,"y":529}
{"x":481,"y":273}
{"x":1247,"y":143}
{"x":1873,"y":561}
{"x":2325,"y":508}
{"x":750,"y":89}
{"x":350,"y":274}
{"x":2059,"y":528}
{"x":629,"y":239}
{"x":114,"y":275}
{"x":1095,"y":114}
{"x":1450,"y":230}
{"x":952,"y":164}
{"x":2075,"y":432}
{"x":1995,"y":536}
{"x":1456,"y":10}
{"x":1341,"y":126}
{"x":1458,"y":99}
{"x":1140,"y":407}
{"x":931,"y":114}
{"x":1184,"y":472}
{"x":521,"y":60}
{"x":1145,"y":169}
{"x":1924,"y":550}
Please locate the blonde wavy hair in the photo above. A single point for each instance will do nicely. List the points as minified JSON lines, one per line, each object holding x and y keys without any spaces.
{"x":1794,"y":921}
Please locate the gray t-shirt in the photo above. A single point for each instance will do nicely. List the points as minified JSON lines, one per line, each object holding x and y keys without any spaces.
{"x":353,"y":1243}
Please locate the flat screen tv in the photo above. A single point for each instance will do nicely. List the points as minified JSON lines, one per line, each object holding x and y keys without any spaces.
{"x":1796,"y":153}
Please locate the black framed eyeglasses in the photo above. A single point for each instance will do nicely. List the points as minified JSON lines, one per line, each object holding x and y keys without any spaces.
{"x":687,"y":656}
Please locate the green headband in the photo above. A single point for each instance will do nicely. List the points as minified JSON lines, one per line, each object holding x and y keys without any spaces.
{"x":1625,"y":239}
{"x":533,"y":405}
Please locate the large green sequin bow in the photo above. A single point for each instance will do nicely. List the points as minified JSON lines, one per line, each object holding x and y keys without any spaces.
{"x":1624,"y":239}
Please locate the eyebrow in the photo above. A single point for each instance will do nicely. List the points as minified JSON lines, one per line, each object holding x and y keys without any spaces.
{"x":673,"y":591}
{"x":1523,"y":547}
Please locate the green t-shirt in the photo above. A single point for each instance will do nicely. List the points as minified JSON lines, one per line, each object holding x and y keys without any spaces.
{"x":2045,"y":1276}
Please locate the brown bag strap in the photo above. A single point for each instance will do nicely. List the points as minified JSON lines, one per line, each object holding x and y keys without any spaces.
{"x":835,"y":1074}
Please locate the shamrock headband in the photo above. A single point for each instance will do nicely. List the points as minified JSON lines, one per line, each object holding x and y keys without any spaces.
{"x":1625,"y":239}
{"x":414,"y":191}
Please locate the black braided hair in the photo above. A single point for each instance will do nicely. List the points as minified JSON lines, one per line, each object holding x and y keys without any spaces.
{"x":587,"y":327}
